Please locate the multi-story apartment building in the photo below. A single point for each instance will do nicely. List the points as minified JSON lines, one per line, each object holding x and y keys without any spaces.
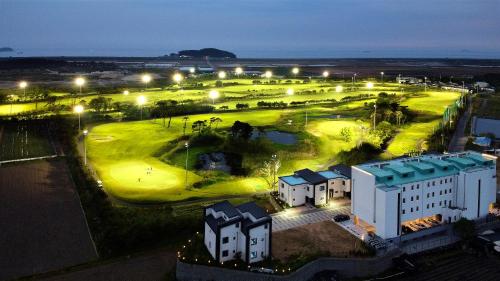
{"x":392,"y":194}
{"x":316,"y":188}
{"x":242,"y":232}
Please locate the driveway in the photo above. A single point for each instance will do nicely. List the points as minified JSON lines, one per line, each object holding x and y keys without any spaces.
{"x":290,"y":218}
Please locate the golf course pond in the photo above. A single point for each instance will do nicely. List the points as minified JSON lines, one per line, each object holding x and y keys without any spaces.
{"x":276,"y":136}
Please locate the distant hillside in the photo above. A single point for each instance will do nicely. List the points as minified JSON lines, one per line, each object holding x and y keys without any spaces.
{"x":6,"y":49}
{"x":207,"y":52}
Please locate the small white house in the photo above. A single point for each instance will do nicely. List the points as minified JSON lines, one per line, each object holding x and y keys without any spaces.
{"x":243,"y":232}
{"x":316,"y":188}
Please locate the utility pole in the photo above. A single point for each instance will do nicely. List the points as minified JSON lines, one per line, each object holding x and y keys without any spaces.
{"x":374,"y":116}
{"x":187,"y":156}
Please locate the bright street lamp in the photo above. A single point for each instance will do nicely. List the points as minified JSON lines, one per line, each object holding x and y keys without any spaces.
{"x":268,"y":74}
{"x":23,"y":85}
{"x":80,"y":81}
{"x":146,"y":78}
{"x":295,"y":71}
{"x":85,"y":133}
{"x":369,"y":85}
{"x":78,"y":109}
{"x":141,"y":100}
{"x":290,"y":91}
{"x":382,"y":77}
{"x":326,"y":74}
{"x":221,"y":74}
{"x":177,"y":77}
{"x":126,"y":92}
{"x":339,"y":89}
{"x":238,"y":71}
{"x":192,"y":70}
{"x":213,"y":94}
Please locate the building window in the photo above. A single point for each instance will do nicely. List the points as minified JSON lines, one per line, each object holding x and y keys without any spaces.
{"x":404,"y":189}
{"x":441,"y":182}
{"x":428,"y":184}
{"x":411,"y":210}
{"x":343,"y":182}
{"x":225,"y":253}
{"x":450,"y":190}
{"x":308,"y":188}
{"x":237,"y":224}
{"x":451,"y":179}
{"x":282,"y":195}
{"x":418,"y":185}
{"x":404,"y":200}
{"x":225,"y":240}
{"x":404,"y":211}
{"x":417,"y":208}
{"x":265,"y":226}
{"x":412,"y":187}
{"x":445,"y":180}
{"x":432,"y":205}
{"x":445,"y":191}
{"x":417,"y":197}
{"x":411,"y":199}
{"x":428,"y":194}
{"x":294,"y":189}
{"x":433,"y":183}
{"x":449,"y":203}
{"x":282,"y":185}
{"x":253,"y":241}
{"x":321,"y":188}
{"x":427,"y":206}
{"x":440,"y":192}
{"x":432,"y":194}
{"x":445,"y":203}
{"x":210,"y":244}
{"x":253,"y":255}
{"x":439,"y":203}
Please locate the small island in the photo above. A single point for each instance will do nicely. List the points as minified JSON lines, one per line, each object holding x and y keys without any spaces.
{"x":6,"y":49}
{"x":206,"y":52}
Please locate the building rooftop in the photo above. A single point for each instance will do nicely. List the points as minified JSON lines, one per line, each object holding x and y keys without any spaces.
{"x":341,"y":169}
{"x":293,"y":180}
{"x":394,"y":173}
{"x":310,"y":176}
{"x":330,"y":175}
{"x":252,"y":208}
{"x":227,"y":208}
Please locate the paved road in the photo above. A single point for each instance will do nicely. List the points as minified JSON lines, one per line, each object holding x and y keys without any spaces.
{"x":459,"y":138}
{"x":287,"y":219}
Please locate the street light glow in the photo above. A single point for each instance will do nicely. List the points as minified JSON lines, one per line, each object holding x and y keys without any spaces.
{"x":141,"y":100}
{"x":290,"y":91}
{"x":78,"y":109}
{"x":192,"y":70}
{"x":326,"y":74}
{"x":23,"y":84}
{"x":222,"y":74}
{"x":295,"y":70}
{"x":268,"y":74}
{"x":238,"y":70}
{"x":369,"y":85}
{"x":126,"y":92}
{"x":177,"y":77}
{"x":80,"y":81}
{"x":146,"y":78}
{"x":339,"y":89}
{"x":213,"y":94}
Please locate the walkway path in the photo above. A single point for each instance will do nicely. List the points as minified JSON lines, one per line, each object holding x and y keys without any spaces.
{"x":459,"y":138}
{"x":290,"y":219}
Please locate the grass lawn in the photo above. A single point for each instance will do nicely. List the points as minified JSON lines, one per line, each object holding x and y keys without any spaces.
{"x":24,"y":140}
{"x":124,"y":152}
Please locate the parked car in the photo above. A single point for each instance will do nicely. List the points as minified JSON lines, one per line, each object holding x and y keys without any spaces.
{"x":341,"y":218}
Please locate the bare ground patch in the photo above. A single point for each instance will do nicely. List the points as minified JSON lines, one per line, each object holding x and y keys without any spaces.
{"x":312,"y":239}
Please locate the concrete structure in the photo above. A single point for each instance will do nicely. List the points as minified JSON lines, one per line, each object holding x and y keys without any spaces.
{"x":412,"y":194}
{"x":242,"y":232}
{"x":316,"y":188}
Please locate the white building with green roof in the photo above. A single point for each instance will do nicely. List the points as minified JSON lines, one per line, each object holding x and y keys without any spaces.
{"x":405,"y":195}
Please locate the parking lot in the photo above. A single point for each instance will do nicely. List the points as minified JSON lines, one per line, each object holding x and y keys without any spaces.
{"x":291,"y":218}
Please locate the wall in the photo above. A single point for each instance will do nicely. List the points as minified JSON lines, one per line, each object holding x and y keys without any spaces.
{"x":262,"y":246}
{"x":363,"y":195}
{"x":232,"y":232}
{"x":345,"y":267}
{"x":210,"y":240}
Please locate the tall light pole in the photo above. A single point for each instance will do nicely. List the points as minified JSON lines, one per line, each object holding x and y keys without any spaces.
{"x":222,"y":74}
{"x":177,"y":77}
{"x":78,"y":109}
{"x":186,"y":145}
{"x":306,"y":115}
{"x":11,"y":97}
{"x":268,"y":74}
{"x":79,"y":81}
{"x":146,"y":78}
{"x":213,"y":94}
{"x":23,"y":85}
{"x":295,"y":71}
{"x":141,"y":100}
{"x":374,"y":116}
{"x":85,"y":133}
{"x":425,"y":84}
{"x":238,"y":71}
{"x":382,"y":77}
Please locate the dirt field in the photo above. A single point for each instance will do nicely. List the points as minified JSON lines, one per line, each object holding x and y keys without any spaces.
{"x":311,"y":239}
{"x":42,"y":225}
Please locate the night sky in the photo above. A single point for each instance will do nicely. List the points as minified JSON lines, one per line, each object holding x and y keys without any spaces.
{"x":258,"y":28}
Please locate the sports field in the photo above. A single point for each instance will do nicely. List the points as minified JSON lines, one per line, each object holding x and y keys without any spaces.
{"x":132,"y":158}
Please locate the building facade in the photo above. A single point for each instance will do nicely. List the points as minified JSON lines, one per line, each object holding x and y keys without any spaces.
{"x":242,"y":232}
{"x":316,"y":188}
{"x":400,"y":194}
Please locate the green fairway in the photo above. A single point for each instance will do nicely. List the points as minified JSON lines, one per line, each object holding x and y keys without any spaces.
{"x":135,"y":161}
